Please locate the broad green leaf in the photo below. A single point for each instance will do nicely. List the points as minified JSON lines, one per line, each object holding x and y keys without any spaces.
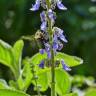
{"x":7,"y":56}
{"x":13,"y":84}
{"x":17,"y":48}
{"x":36,"y":59}
{"x":11,"y":57}
{"x":63,"y":82}
{"x":5,"y":92}
{"x":25,"y":78}
{"x":3,"y":84}
{"x":71,"y":94}
{"x":69,"y":60}
{"x":20,"y":82}
{"x":91,"y":92}
{"x":42,"y":81}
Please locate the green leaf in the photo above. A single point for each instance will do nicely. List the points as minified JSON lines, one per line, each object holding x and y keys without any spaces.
{"x":26,"y":74}
{"x":69,"y":60}
{"x":13,"y":84}
{"x":37,"y":58}
{"x":43,"y":81}
{"x":71,"y":94}
{"x":11,"y":57}
{"x":63,"y":82}
{"x":91,"y":92}
{"x":7,"y":56}
{"x":18,"y":47}
{"x":5,"y":92}
{"x":3,"y":84}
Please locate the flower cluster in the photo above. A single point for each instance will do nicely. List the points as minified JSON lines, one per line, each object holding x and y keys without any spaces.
{"x":37,"y":4}
{"x":58,"y":34}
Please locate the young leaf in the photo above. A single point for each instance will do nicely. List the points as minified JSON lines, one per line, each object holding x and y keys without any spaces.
{"x":6,"y":92}
{"x":69,"y":60}
{"x":11,"y":57}
{"x":26,"y":76}
{"x":71,"y":94}
{"x":7,"y":56}
{"x":3,"y":84}
{"x":63,"y":82}
{"x":91,"y":92}
{"x":37,"y":58}
{"x":18,"y":47}
{"x":43,"y":81}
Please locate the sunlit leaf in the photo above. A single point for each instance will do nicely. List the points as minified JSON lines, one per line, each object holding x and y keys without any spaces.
{"x":3,"y":84}
{"x":7,"y":56}
{"x":36,"y":59}
{"x":26,"y":74}
{"x":42,"y":81}
{"x":18,"y":47}
{"x":5,"y":92}
{"x":71,"y":94}
{"x":91,"y":92}
{"x":63,"y":82}
{"x":69,"y":60}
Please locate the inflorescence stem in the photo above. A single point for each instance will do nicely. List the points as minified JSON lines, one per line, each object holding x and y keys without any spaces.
{"x":52,"y":53}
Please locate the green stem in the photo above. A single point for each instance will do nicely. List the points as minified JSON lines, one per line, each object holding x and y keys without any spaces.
{"x":52,"y":52}
{"x":35,"y":79}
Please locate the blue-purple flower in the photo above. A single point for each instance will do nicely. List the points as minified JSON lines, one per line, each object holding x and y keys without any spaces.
{"x":41,"y":65}
{"x":58,"y":33}
{"x":43,"y":26}
{"x":41,"y":51}
{"x":36,"y":6}
{"x":60,"y":5}
{"x":51,"y":15}
{"x":60,"y":46}
{"x":47,"y":49}
{"x":65,"y":67}
{"x":43,"y":16}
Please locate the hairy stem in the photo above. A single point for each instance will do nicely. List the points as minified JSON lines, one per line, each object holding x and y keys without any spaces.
{"x":35,"y":79}
{"x":52,"y":52}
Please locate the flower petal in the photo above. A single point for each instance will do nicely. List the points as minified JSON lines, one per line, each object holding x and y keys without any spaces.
{"x":50,"y":14}
{"x":36,"y":6}
{"x":47,"y":47}
{"x":41,"y":65}
{"x":44,"y":26}
{"x":61,"y":6}
{"x":49,"y":55}
{"x":62,"y":37}
{"x":64,"y":66}
{"x":41,"y":51}
{"x":60,"y":46}
{"x":43,"y":16}
{"x":55,"y":45}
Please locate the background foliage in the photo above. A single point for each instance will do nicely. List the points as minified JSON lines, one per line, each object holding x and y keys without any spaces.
{"x":79,"y":24}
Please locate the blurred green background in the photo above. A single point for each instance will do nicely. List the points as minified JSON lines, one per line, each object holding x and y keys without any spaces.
{"x":78,"y":22}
